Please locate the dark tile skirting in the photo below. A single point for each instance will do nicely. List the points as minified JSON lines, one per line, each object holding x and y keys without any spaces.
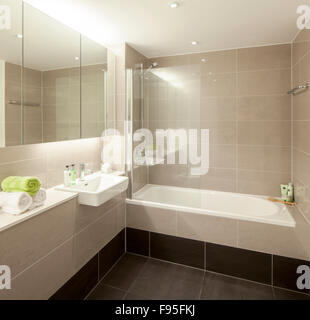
{"x":78,"y":287}
{"x":240,"y":263}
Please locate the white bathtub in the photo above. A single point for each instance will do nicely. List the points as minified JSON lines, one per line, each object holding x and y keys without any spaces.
{"x":214,"y":203}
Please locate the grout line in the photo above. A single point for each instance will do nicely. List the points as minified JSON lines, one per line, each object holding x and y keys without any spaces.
{"x":205,"y":255}
{"x":300,"y":59}
{"x":149,"y":243}
{"x":292,"y":291}
{"x":45,"y":256}
{"x":272,"y":269}
{"x":98,"y":267}
{"x":203,"y":285}
{"x":242,"y":279}
{"x":292,"y":117}
{"x":137,"y":276}
{"x":237,"y":123}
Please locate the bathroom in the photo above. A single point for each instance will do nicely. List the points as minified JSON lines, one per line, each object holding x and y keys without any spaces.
{"x":161,"y":167}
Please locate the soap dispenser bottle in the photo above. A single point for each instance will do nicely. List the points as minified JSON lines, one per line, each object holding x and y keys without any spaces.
{"x":73,"y":175}
{"x":67,"y":179}
{"x":290,"y":192}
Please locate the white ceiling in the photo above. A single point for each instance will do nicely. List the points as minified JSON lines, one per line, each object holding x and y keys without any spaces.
{"x":154,"y":29}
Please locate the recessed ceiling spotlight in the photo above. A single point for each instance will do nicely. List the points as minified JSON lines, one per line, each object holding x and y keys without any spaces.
{"x":77,"y":58}
{"x":204,"y":60}
{"x":194,"y":43}
{"x":19,"y":36}
{"x":174,"y":5}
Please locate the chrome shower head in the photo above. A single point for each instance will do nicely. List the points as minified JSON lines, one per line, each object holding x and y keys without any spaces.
{"x":152,"y":66}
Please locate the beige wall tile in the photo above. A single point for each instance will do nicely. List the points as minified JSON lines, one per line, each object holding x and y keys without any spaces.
{"x":301,"y":110}
{"x":98,"y":234}
{"x":40,"y":281}
{"x":303,"y":72}
{"x":269,"y":82}
{"x":219,"y":180}
{"x":31,"y":240}
{"x":215,"y":62}
{"x":221,"y":132}
{"x":301,"y":134}
{"x":218,"y":85}
{"x":33,"y":167}
{"x":265,"y":133}
{"x":264,"y":158}
{"x":301,"y":170}
{"x":300,"y":49}
{"x":302,"y":197}
{"x":207,"y":228}
{"x":172,"y":175}
{"x":32,"y":78}
{"x":218,"y":109}
{"x":152,"y":219}
{"x":263,"y":58}
{"x":261,"y":183}
{"x":224,"y":156}
{"x":257,"y":108}
{"x":13,"y":73}
{"x":86,"y":215}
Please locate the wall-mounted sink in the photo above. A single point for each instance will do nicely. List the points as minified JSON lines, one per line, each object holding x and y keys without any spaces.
{"x":97,"y":188}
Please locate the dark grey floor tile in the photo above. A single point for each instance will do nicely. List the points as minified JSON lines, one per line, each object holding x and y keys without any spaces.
{"x":162,"y":280}
{"x":125,"y":272}
{"x":219,"y":287}
{"x":280,"y":294}
{"x":103,"y":292}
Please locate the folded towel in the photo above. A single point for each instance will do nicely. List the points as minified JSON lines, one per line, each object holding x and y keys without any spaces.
{"x":15,"y":202}
{"x":31,"y":185}
{"x":39,"y":199}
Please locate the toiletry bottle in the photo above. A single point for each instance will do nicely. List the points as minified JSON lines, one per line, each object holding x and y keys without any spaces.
{"x":284,"y":192}
{"x":73,"y":175}
{"x":67,"y":179}
{"x":290,"y":192}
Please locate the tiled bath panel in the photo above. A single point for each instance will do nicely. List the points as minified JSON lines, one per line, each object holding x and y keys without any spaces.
{"x":260,"y":237}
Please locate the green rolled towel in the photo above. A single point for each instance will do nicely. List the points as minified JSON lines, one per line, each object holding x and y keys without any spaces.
{"x":31,"y":185}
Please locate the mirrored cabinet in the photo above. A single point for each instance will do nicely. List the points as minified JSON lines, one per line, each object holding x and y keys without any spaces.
{"x":53,"y":80}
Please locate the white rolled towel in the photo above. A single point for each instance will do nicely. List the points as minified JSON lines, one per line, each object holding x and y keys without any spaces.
{"x":39,"y":199}
{"x":15,"y":202}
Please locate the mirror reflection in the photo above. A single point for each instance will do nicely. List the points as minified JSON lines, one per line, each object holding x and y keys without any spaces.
{"x":53,"y":80}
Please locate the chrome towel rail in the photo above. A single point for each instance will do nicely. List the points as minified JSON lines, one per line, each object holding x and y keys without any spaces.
{"x":26,"y":104}
{"x":302,"y":87}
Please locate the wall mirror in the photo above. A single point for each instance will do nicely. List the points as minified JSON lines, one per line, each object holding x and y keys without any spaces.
{"x":53,"y":80}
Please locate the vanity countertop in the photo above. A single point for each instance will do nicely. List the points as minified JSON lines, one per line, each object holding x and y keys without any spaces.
{"x":54,"y":199}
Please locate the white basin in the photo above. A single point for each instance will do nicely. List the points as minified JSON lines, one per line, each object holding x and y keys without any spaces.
{"x":97,"y":188}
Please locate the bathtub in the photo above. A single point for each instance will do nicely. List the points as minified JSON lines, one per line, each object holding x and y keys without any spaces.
{"x":214,"y":203}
